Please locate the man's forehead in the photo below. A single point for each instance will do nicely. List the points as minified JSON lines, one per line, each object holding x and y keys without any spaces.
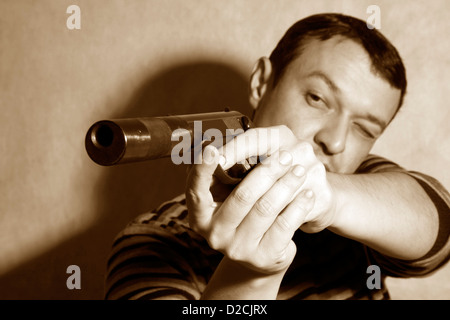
{"x":314,"y":50}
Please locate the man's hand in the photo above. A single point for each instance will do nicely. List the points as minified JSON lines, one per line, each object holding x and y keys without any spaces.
{"x":255,"y":224}
{"x":266,"y":141}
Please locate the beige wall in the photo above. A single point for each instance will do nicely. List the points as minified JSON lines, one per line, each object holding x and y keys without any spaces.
{"x":146,"y":58}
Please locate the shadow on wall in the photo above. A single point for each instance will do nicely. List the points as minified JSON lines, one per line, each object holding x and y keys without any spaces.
{"x":127,"y":190}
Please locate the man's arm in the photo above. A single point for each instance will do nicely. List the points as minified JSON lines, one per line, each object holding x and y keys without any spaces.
{"x":389,"y":212}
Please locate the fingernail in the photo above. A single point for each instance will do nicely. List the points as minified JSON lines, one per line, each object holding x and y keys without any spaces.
{"x":299,"y":171}
{"x":285,"y":158}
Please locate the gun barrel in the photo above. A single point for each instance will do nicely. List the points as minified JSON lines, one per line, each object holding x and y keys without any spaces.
{"x":111,"y":142}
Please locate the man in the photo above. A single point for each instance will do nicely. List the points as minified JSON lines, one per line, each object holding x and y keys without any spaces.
{"x":309,"y":219}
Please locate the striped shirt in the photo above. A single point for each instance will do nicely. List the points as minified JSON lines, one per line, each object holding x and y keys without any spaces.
{"x":157,"y":256}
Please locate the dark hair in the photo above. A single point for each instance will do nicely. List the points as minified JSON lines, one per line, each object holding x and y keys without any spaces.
{"x":386,"y":61}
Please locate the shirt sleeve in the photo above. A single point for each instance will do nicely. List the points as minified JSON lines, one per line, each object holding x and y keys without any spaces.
{"x":157,"y":256}
{"x":439,"y":254}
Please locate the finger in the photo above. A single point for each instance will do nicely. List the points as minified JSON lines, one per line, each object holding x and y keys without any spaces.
{"x":268,"y":207}
{"x":252,"y":187}
{"x":256,"y":142}
{"x":282,"y":230}
{"x":198,"y":196}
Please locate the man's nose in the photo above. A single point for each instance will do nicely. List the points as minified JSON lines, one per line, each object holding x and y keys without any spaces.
{"x":332,"y":137}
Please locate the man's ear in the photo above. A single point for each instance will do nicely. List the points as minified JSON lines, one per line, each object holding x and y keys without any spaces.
{"x":259,"y":80}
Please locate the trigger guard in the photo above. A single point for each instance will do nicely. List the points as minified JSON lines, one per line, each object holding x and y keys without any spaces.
{"x":225,"y":177}
{"x":234,"y":175}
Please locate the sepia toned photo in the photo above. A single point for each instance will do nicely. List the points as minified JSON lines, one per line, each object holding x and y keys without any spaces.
{"x":209,"y":150}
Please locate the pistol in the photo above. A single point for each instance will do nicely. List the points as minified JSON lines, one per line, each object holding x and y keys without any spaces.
{"x":118,"y":141}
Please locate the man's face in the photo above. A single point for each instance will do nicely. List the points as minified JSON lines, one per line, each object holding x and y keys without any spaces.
{"x":329,"y":97}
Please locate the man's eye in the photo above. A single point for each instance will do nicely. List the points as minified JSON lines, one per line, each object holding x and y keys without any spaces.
{"x":314,"y":97}
{"x":366,"y":133}
{"x":314,"y":100}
